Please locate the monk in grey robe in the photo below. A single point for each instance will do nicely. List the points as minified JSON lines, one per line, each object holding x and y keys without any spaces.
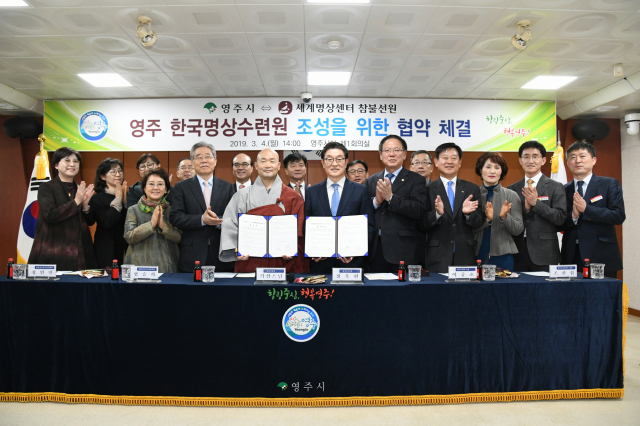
{"x":268,"y":196}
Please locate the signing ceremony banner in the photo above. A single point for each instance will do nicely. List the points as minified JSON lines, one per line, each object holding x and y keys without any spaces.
{"x":290,"y":124}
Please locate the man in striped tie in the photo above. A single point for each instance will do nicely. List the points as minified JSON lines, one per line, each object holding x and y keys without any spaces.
{"x":453,"y":214}
{"x":338,"y":196}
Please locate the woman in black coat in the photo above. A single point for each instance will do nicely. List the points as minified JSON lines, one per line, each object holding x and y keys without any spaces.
{"x":109,"y":210}
{"x":62,"y":230}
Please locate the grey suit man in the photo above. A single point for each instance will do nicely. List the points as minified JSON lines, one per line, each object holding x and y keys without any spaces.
{"x":544,"y":208}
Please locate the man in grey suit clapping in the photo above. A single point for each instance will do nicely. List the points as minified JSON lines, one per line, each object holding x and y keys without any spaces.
{"x":544,"y":207}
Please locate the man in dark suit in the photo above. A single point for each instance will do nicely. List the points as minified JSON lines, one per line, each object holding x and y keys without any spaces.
{"x":399,"y":199}
{"x":242,"y":167}
{"x":338,"y":196}
{"x":453,"y":214}
{"x":543,"y":210}
{"x":422,"y":164}
{"x":295,"y":166}
{"x":197,"y":209}
{"x":596,"y":207}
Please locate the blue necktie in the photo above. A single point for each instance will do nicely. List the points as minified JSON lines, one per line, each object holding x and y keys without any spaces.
{"x":580,"y":183}
{"x":335,"y":200}
{"x":450,"y":194}
{"x":389,"y":176}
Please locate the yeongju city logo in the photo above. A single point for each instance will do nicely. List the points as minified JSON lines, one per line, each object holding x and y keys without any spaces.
{"x":301,"y":323}
{"x":93,"y":125}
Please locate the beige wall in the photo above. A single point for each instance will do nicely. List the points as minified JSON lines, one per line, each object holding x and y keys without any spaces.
{"x":631,"y":226}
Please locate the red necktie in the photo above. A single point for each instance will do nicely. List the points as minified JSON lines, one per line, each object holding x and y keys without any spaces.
{"x":241,"y":186}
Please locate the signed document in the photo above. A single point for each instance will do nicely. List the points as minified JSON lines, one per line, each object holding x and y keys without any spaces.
{"x":283,"y":235}
{"x":353,"y":237}
{"x":252,"y":235}
{"x":320,"y":236}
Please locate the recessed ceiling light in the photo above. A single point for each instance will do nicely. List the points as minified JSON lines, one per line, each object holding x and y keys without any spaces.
{"x":548,"y":82}
{"x":338,"y":1}
{"x":105,"y":80}
{"x":13,"y":3}
{"x":331,"y":78}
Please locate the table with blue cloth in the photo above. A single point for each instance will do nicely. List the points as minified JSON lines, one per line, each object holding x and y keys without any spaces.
{"x":223,"y":344}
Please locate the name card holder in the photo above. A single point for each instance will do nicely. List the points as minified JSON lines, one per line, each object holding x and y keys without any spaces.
{"x":41,"y":273}
{"x":563,"y":273}
{"x":351,"y":276}
{"x":271,"y":276}
{"x":459,"y":274}
{"x":144,"y":274}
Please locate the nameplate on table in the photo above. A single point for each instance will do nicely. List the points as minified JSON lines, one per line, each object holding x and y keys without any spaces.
{"x":462,"y":273}
{"x":563,"y":272}
{"x":347,"y":276}
{"x":41,"y":272}
{"x":271,"y":276}
{"x":144,"y":273}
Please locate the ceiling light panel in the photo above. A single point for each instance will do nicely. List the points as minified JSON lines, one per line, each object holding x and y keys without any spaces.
{"x":400,"y":19}
{"x":63,"y":81}
{"x":268,"y":43}
{"x":319,"y":43}
{"x":335,"y":78}
{"x":28,"y":22}
{"x":456,"y":20}
{"x":105,"y":80}
{"x":446,"y":45}
{"x":271,"y":18}
{"x":208,"y":19}
{"x":389,"y":44}
{"x":336,"y":18}
{"x":13,"y":3}
{"x":548,"y":82}
{"x":221,"y":43}
{"x":507,"y":82}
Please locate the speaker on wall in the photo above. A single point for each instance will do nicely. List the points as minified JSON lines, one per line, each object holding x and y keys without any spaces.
{"x":22,"y":127}
{"x":590,"y":130}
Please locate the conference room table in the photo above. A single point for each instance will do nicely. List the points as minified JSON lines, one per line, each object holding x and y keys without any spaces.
{"x":178,"y":342}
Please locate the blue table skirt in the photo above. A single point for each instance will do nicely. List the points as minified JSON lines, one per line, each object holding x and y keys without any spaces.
{"x":385,"y":342}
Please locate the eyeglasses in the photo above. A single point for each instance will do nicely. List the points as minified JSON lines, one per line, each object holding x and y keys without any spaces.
{"x":534,"y":157}
{"x":395,"y":151}
{"x":186,"y":168}
{"x":238,"y":165}
{"x":421,"y":163}
{"x":147,"y":166}
{"x":201,"y":158}
{"x":115,"y":172}
{"x":339,"y":160}
{"x":357,"y":171}
{"x":72,"y":162}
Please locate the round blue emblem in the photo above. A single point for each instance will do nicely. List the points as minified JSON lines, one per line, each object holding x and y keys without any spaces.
{"x":301,"y":323}
{"x":93,"y":125}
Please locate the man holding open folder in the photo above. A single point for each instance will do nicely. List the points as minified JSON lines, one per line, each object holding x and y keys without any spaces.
{"x":268,"y":196}
{"x":338,"y":196}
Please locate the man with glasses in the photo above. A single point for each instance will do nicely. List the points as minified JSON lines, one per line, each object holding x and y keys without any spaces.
{"x":145,"y":163}
{"x":268,"y":196}
{"x":295,"y":167}
{"x":242,"y":167}
{"x":358,"y":171}
{"x":544,"y":207}
{"x":185,"y":169}
{"x":197,"y":209}
{"x":399,"y":197}
{"x":338,"y":196}
{"x":422,"y":164}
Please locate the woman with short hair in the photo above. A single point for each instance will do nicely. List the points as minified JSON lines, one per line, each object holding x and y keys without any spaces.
{"x":503,"y":210}
{"x":62,"y":230}
{"x":152,"y":240}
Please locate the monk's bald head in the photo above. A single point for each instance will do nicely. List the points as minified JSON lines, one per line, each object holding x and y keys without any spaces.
{"x":268,"y":164}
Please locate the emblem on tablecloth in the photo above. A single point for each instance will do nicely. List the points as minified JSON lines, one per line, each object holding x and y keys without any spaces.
{"x":301,"y":323}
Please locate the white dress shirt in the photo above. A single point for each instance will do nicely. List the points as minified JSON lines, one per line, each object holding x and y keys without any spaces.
{"x":246,"y":184}
{"x":445,"y":182}
{"x":330,"y":188}
{"x":303,"y":188}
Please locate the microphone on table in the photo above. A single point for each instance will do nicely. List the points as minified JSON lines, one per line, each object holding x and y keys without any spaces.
{"x":291,"y":277}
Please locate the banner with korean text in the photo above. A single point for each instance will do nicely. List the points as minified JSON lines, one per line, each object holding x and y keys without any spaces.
{"x":257,"y":123}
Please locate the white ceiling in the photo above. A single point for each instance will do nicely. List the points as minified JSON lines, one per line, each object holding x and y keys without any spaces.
{"x":395,"y":48}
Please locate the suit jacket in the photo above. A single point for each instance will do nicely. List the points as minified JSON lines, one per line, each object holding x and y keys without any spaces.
{"x":596,"y":228}
{"x":187,"y":209}
{"x":303,"y":192}
{"x":398,"y":220}
{"x":541,"y":221}
{"x":452,"y":228}
{"x":354,"y":200}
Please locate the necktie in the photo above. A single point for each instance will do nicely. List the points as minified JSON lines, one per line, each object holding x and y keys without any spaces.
{"x":207,"y":194}
{"x":335,"y":200}
{"x":450,"y":193}
{"x":580,"y":183}
{"x":530,"y":183}
{"x":241,"y":186}
{"x":389,"y":176}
